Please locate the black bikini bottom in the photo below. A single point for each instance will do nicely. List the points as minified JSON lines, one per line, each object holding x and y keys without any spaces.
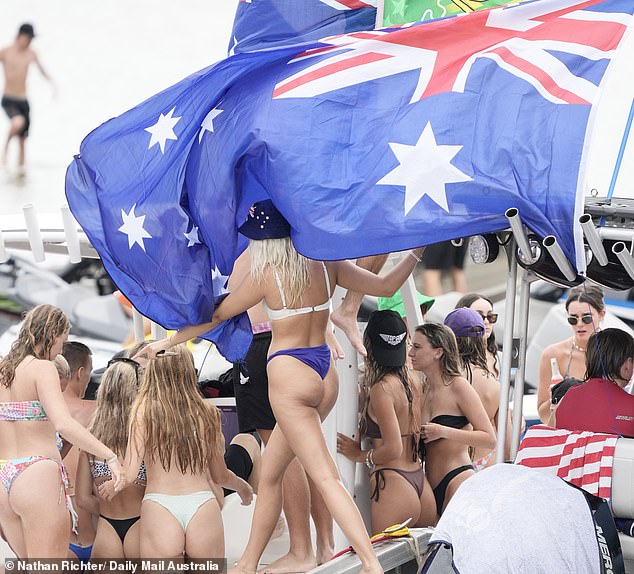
{"x":121,"y":525}
{"x":415,"y":477}
{"x":440,"y":490}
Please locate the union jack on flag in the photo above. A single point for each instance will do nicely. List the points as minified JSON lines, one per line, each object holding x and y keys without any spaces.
{"x":520,"y":39}
{"x":368,"y":142}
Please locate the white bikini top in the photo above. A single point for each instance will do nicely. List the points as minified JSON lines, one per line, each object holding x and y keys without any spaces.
{"x":277,"y":314}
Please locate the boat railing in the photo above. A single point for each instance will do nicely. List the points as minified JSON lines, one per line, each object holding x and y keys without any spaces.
{"x":397,"y":555}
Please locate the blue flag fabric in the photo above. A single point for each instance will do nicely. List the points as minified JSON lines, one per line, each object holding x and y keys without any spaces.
{"x":265,"y":24}
{"x":367,"y":143}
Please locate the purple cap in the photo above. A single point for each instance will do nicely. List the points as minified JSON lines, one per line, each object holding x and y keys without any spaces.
{"x":465,"y":322}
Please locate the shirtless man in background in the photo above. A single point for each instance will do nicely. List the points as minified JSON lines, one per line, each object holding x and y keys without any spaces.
{"x":16,"y":60}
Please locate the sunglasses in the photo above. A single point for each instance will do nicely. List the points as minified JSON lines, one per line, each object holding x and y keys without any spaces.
{"x":490,"y":317}
{"x":125,"y":360}
{"x":585,"y":319}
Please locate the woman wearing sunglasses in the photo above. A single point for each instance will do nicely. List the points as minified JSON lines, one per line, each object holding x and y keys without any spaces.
{"x":586,"y":309}
{"x":484,"y":306}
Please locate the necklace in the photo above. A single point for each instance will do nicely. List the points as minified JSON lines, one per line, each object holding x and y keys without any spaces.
{"x":580,"y":349}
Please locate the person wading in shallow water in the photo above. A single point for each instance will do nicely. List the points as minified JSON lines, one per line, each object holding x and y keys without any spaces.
{"x":16,"y":60}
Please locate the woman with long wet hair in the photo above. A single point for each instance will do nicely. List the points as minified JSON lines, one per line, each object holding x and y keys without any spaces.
{"x":302,"y":383}
{"x":391,"y":419}
{"x":453,"y":416}
{"x":34,"y":506}
{"x":118,"y":527}
{"x":177,"y":435}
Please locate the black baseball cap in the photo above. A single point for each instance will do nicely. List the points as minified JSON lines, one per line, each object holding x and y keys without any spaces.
{"x":388,"y":336}
{"x":27,"y":30}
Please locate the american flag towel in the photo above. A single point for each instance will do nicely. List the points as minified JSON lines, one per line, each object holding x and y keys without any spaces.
{"x":581,"y":458}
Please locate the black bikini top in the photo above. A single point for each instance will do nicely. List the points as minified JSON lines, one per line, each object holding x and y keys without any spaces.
{"x":453,"y":421}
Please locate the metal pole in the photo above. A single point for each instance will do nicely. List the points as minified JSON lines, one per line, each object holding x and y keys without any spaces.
{"x":344,"y":415}
{"x":520,"y":375}
{"x":507,"y":349}
{"x":158,"y":332}
{"x":139,"y":329}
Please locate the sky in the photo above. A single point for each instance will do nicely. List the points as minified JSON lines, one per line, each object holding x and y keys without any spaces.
{"x":105,"y":57}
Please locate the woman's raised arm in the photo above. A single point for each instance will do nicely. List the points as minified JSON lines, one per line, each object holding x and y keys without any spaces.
{"x":355,"y":278}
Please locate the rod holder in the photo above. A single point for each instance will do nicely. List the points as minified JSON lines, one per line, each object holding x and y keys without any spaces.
{"x":139,"y":327}
{"x":158,"y":332}
{"x":33,"y":232}
{"x":593,"y":239}
{"x":513,"y":215}
{"x":625,"y":257}
{"x":551,"y":245}
{"x":3,"y":249}
{"x":70,"y":231}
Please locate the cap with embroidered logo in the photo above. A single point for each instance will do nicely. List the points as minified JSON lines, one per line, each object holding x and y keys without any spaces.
{"x":387,"y":333}
{"x":264,"y":221}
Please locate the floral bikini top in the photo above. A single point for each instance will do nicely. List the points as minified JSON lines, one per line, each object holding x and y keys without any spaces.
{"x":22,"y":411}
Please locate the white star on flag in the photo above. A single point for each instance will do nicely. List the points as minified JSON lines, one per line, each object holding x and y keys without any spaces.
{"x":424,"y":169}
{"x":218,"y":281}
{"x":192,"y":237}
{"x":163,"y":130}
{"x":133,"y":228}
{"x":208,"y":123}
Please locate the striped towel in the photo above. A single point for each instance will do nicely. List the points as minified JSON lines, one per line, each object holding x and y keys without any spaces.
{"x":581,"y":458}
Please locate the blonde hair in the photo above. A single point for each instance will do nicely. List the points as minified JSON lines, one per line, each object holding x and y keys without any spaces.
{"x":179,"y":425}
{"x":62,"y":366}
{"x":41,"y":327}
{"x":116,"y":394}
{"x":292,"y":267}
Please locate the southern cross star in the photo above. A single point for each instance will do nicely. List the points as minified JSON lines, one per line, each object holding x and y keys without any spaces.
{"x":133,"y":228}
{"x":208,"y":123}
{"x":163,"y":130}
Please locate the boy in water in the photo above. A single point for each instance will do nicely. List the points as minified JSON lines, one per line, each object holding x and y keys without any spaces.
{"x":16,"y":60}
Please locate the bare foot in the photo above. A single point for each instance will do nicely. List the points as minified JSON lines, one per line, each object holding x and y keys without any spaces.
{"x":290,"y":564}
{"x":237,"y":569}
{"x":279,"y":527}
{"x":347,"y":322}
{"x":324,"y":554}
{"x":374,"y":569}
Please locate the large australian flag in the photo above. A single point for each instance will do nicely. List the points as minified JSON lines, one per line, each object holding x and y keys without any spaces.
{"x":368,"y":142}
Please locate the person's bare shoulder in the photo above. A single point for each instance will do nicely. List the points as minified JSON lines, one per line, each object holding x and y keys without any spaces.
{"x":557,"y":349}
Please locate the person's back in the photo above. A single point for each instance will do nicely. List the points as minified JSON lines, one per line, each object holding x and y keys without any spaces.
{"x":16,"y":60}
{"x":601,"y":404}
{"x":179,"y":438}
{"x":597,"y":406}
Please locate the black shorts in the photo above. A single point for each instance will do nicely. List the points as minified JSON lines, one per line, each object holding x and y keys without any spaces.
{"x":239,"y":462}
{"x":444,"y":256}
{"x":252,"y":398}
{"x":18,"y":107}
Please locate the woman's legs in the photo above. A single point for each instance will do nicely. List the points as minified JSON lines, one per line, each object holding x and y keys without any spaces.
{"x":397,"y":502}
{"x":205,"y":534}
{"x":161,"y":534}
{"x":37,"y":496}
{"x":107,"y":543}
{"x":268,"y":505}
{"x":323,"y":525}
{"x":297,"y":395}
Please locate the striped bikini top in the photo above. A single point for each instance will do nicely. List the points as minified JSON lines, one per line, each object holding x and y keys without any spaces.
{"x":22,"y":411}
{"x":99,"y":469}
{"x":284,"y":312}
